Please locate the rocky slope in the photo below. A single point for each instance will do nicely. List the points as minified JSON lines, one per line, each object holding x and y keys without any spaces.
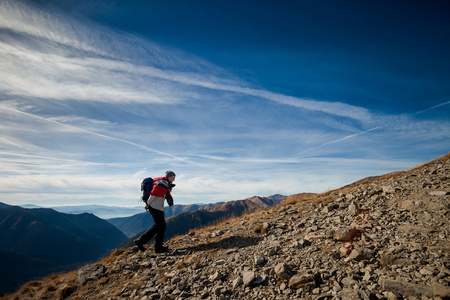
{"x":382,"y":238}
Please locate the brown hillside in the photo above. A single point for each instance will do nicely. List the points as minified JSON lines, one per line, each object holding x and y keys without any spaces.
{"x":251,"y":204}
{"x":381,"y":238}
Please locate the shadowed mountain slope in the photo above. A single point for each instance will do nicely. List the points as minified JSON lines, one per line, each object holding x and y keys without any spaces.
{"x":36,"y":242}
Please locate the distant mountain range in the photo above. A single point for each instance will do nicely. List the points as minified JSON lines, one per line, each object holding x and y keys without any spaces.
{"x":101,"y":211}
{"x":131,"y":226}
{"x":40,"y":241}
{"x":183,"y":222}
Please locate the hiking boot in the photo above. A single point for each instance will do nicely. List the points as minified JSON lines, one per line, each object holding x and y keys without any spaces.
{"x":139,"y":244}
{"x":162,"y":249}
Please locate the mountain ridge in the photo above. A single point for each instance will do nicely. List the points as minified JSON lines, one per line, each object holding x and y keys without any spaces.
{"x":212,"y":213}
{"x":101,"y":211}
{"x":131,"y":226}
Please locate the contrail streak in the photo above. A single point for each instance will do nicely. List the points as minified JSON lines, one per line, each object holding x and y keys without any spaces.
{"x":436,"y":106}
{"x":95,"y":133}
{"x":340,"y":140}
{"x":367,"y":131}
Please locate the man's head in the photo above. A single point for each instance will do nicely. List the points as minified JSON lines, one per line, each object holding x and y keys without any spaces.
{"x":170,"y":176}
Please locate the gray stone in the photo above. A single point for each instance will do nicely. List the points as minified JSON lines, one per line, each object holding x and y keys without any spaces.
{"x":236,"y":282}
{"x":284,"y":271}
{"x":440,"y":290}
{"x":155,"y":296}
{"x":150,"y":291}
{"x":349,"y":196}
{"x":248,"y":277}
{"x":305,"y":280}
{"x":387,"y":189}
{"x":439,"y":193}
{"x":330,"y":207}
{"x":353,"y":208}
{"x":220,"y":262}
{"x":259,"y":260}
{"x":219,"y":290}
{"x":360,"y":254}
{"x":404,"y":288}
{"x":185,"y":295}
{"x":90,"y":272}
{"x":342,"y":233}
{"x":425,"y":271}
{"x":216,"y":276}
{"x":260,"y":280}
{"x":350,"y":294}
{"x":304,"y":243}
{"x":348,"y":281}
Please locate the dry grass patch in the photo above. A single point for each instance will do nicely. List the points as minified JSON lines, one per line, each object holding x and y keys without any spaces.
{"x":164,"y":278}
{"x":32,"y":285}
{"x":210,"y":253}
{"x":50,"y":288}
{"x":161,"y":270}
{"x":261,"y":228}
{"x":27,"y":291}
{"x":53,"y":287}
{"x":443,"y":157}
{"x":189,"y":260}
{"x":301,"y":197}
{"x":136,"y":284}
{"x":112,"y":257}
{"x":104,"y":280}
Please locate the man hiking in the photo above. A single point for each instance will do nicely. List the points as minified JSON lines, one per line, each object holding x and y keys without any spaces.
{"x":162,"y":186}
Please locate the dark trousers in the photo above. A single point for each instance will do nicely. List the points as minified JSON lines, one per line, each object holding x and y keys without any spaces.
{"x":157,"y":230}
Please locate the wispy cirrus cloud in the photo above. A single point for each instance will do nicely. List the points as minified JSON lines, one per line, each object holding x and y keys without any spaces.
{"x":83,"y":65}
{"x":36,"y":74}
{"x":53,"y":32}
{"x":78,"y":129}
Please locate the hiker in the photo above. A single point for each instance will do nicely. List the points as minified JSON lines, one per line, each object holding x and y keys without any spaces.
{"x":162,"y":186}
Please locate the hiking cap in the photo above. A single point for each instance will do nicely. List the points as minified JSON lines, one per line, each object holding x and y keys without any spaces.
{"x":170,"y":174}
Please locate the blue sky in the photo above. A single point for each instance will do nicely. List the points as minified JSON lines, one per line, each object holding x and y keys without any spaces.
{"x":239,"y":98}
